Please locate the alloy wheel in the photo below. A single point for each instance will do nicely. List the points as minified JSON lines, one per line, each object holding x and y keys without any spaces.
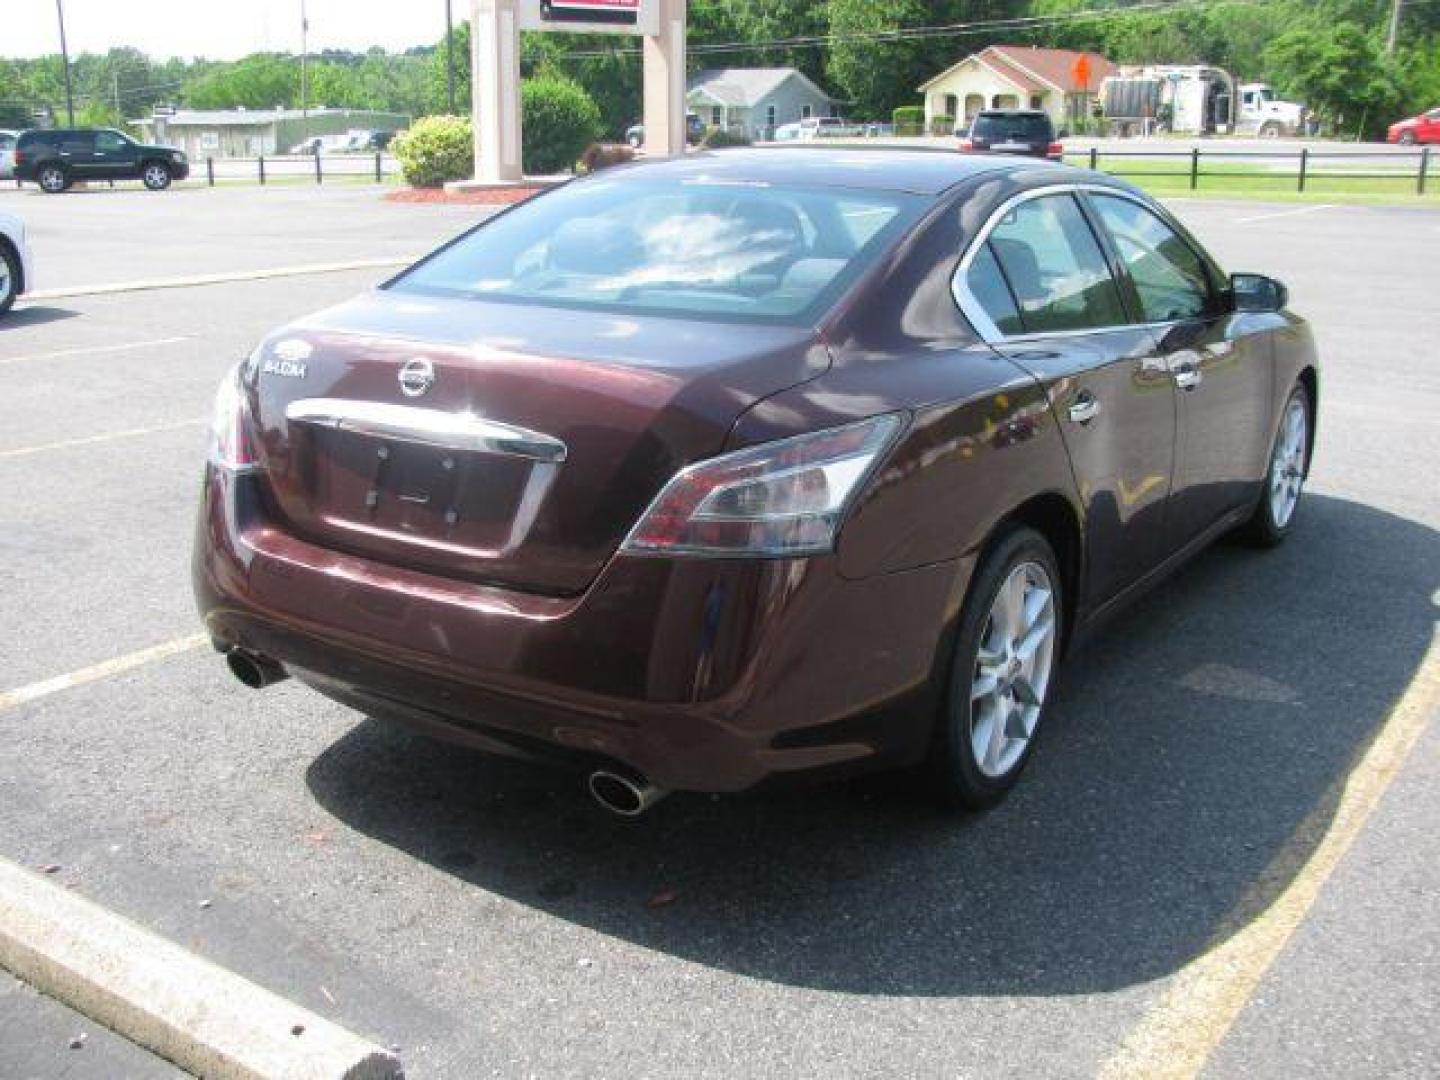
{"x":52,"y":180}
{"x":1012,"y":669}
{"x":1287,"y":463}
{"x":156,"y":176}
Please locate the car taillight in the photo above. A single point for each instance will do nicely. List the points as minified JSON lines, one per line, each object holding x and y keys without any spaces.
{"x":231,"y":444}
{"x":778,"y":499}
{"x":1055,"y":151}
{"x":966,"y":144}
{"x":19,"y":156}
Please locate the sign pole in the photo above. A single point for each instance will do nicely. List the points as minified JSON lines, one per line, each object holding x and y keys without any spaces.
{"x":495,"y":37}
{"x":664,"y":94}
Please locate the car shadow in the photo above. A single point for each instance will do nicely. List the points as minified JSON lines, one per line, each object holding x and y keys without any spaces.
{"x":24,"y":314}
{"x":1186,"y":746}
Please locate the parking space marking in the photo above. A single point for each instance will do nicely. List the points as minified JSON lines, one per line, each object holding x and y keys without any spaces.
{"x":217,"y":279}
{"x":1177,"y":1036}
{"x":1284,"y":213}
{"x":90,"y":440}
{"x":10,"y":699}
{"x":92,"y":350}
{"x":188,"y":1010}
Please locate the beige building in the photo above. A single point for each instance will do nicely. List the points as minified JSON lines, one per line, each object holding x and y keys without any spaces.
{"x":1016,"y":77}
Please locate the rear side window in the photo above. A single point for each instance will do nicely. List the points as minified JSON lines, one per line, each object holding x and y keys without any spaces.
{"x":1169,"y":277}
{"x":38,"y":138}
{"x":1053,"y":267}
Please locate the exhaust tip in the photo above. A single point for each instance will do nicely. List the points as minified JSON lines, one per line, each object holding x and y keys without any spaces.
{"x":254,"y":671}
{"x":621,"y":795}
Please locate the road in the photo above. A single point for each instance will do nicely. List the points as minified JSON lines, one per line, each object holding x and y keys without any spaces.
{"x":484,"y":917}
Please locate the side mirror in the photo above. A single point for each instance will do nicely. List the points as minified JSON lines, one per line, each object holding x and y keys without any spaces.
{"x":1256,"y":292}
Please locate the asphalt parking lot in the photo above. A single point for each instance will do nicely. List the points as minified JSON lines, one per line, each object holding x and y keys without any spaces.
{"x":487,"y":919}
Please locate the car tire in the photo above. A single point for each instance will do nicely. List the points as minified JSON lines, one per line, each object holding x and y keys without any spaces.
{"x":155,"y":175}
{"x":1407,"y":138}
{"x":53,"y":179}
{"x":1002,"y":672}
{"x":9,"y":278}
{"x":1270,"y":130}
{"x":1289,"y":463}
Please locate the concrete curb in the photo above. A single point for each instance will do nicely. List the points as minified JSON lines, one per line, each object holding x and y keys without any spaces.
{"x":213,"y":279}
{"x":200,"y":1016}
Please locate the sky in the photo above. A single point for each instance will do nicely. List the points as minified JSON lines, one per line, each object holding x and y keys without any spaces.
{"x":220,"y":29}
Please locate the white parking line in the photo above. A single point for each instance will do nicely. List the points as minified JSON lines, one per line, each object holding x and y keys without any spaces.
{"x":216,"y":279}
{"x":202,"y":1017}
{"x":1284,"y":213}
{"x":10,"y":699}
{"x":90,"y":440}
{"x":92,"y":350}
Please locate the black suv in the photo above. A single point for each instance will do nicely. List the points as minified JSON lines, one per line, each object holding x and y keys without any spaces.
{"x":55,"y":158}
{"x":1027,"y":132}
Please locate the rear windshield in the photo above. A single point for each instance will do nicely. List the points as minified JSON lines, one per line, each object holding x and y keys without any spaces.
{"x":725,"y":250}
{"x":999,"y":128}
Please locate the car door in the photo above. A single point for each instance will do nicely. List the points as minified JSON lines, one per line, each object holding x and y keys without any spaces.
{"x":77,"y":153}
{"x":1037,"y":285}
{"x":1222,"y":374}
{"x":1429,"y":127}
{"x":115,"y":156}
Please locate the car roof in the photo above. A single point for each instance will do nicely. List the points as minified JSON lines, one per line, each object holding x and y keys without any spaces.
{"x":1013,"y":112}
{"x":919,"y":171}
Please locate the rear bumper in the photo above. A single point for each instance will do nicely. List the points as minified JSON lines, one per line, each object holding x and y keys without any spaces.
{"x":703,"y":675}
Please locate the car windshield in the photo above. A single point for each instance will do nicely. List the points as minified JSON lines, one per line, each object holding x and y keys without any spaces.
{"x":708,"y":249}
{"x":1000,"y":128}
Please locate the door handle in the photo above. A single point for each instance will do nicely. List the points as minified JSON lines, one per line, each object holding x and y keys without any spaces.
{"x":1084,"y":408}
{"x":1188,"y":377}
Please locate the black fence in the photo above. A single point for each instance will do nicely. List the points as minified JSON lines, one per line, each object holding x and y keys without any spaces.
{"x":1304,"y":167}
{"x":307,"y":167}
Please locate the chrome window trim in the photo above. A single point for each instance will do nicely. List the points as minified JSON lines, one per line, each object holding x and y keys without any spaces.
{"x":980,"y":319}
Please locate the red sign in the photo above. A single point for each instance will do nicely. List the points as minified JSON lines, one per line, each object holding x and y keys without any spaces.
{"x":1080,"y":72}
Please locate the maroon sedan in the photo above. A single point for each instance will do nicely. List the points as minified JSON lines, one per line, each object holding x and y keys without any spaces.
{"x":708,"y":472}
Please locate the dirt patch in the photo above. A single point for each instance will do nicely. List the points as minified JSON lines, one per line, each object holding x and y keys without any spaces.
{"x":499,"y":196}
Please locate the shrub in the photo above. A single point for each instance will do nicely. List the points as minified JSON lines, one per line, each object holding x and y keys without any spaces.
{"x":599,"y":156}
{"x":942,"y":124}
{"x":436,"y":149}
{"x":909,"y":119}
{"x":559,"y":119}
{"x":717,"y":138}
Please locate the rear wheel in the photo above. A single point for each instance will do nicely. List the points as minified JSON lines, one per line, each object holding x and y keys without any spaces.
{"x":1274,"y":515}
{"x":9,"y":278}
{"x":156,"y":175}
{"x":1001,"y":677}
{"x":53,"y":179}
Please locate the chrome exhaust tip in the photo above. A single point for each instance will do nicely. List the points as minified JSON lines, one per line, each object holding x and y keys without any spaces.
{"x":622,"y":795}
{"x":254,"y":670}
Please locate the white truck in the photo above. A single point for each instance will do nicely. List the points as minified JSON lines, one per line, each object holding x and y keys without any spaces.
{"x":1263,"y":114}
{"x":1159,"y":98}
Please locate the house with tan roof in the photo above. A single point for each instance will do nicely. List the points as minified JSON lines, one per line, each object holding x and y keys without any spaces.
{"x":1017,"y":77}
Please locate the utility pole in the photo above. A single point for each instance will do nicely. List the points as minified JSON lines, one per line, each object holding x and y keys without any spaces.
{"x":1394,"y":33}
{"x":65,"y":60}
{"x":449,"y":61}
{"x":304,"y":84}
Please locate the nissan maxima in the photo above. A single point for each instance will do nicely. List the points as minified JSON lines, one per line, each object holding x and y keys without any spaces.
{"x":755,"y":465}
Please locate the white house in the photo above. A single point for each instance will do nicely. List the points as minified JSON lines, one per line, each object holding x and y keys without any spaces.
{"x":756,"y":100}
{"x":1017,"y":77}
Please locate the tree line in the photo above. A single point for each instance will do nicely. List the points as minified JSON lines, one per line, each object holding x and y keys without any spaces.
{"x":872,"y":54}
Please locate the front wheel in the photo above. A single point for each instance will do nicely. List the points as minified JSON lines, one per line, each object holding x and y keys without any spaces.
{"x":1274,"y":515}
{"x":9,"y":279}
{"x":156,"y":176}
{"x":1006,"y":652}
{"x":53,"y":179}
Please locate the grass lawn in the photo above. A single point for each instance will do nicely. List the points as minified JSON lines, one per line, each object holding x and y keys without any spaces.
{"x":1230,"y":180}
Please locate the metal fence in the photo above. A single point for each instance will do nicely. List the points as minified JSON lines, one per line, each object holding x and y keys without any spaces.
{"x":1304,"y":167}
{"x":316,"y":168}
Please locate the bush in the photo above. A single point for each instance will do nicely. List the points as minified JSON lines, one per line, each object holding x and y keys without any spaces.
{"x":716,"y":138}
{"x":909,"y":120}
{"x":436,"y":149}
{"x":599,"y":156}
{"x":559,"y":119}
{"x":942,"y":125}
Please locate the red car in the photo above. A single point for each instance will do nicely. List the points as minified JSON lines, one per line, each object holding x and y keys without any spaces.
{"x":714,"y":471}
{"x":1424,"y":128}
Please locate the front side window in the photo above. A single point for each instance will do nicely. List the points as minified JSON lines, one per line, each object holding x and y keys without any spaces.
{"x":1168,"y":275}
{"x":751,"y":252}
{"x":108,"y":142}
{"x":1052,"y":267}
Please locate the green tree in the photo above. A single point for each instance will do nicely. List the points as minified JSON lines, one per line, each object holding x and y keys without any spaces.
{"x":876,"y":75}
{"x":1340,"y":72}
{"x":558,"y":120}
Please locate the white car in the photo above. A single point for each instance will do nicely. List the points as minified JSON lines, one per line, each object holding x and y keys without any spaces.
{"x":7,"y":154}
{"x":16,"y":273}
{"x":788,"y":132}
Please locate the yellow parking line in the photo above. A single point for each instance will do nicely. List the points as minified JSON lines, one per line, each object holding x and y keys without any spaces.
{"x":89,"y":440}
{"x":9,"y":699}
{"x":1178,"y":1035}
